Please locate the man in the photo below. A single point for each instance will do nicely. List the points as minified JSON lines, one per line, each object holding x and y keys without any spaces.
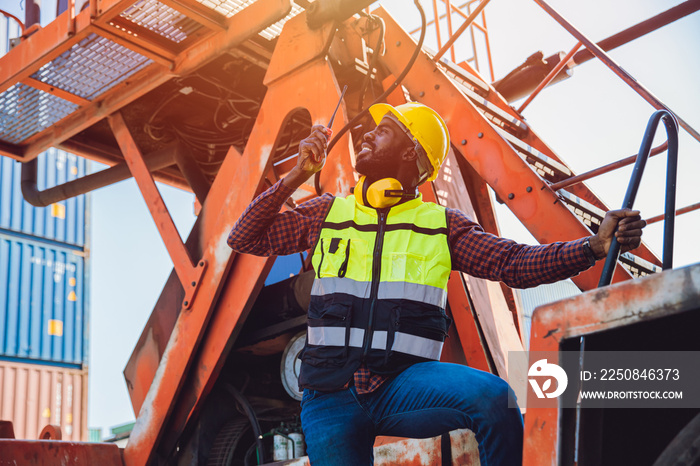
{"x":377,"y":321}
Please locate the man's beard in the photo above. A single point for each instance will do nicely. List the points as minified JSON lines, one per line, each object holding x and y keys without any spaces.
{"x":380,"y":163}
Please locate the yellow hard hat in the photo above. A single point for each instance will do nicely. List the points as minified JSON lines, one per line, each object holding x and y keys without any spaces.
{"x":425,"y":126}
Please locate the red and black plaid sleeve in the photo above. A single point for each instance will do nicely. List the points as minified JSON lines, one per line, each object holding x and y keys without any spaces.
{"x":485,"y":255}
{"x":263,"y":230}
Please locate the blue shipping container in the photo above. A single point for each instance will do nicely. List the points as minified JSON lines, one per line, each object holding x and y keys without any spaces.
{"x":63,"y":222}
{"x":43,"y":310}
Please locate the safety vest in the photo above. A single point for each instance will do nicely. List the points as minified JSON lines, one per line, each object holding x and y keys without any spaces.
{"x":380,"y":291}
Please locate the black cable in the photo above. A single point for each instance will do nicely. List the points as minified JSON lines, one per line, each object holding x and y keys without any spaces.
{"x":253,"y":420}
{"x":373,"y":62}
{"x":389,"y":90}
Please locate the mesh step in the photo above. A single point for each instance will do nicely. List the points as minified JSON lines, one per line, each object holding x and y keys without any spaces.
{"x":592,"y":216}
{"x":472,"y":88}
{"x":548,"y":168}
{"x":584,"y":210}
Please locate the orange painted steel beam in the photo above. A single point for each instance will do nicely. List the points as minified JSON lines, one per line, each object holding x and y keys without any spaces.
{"x":41,"y":47}
{"x":681,"y":211}
{"x":190,"y":325}
{"x":155,"y":52}
{"x":596,"y":311}
{"x":547,"y":79}
{"x":42,"y":86}
{"x":241,"y":26}
{"x":617,"y":69}
{"x":207,"y":17}
{"x":532,"y":139}
{"x":51,"y":452}
{"x":187,"y":270}
{"x":314,"y":88}
{"x":453,"y":37}
{"x":464,"y":315}
{"x":606,"y":168}
{"x":488,"y":153}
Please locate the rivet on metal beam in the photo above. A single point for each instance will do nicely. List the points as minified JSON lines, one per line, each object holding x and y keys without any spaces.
{"x":529,"y":189}
{"x":398,"y":43}
{"x":437,"y":86}
{"x":421,"y":94}
{"x":480,"y":135}
{"x":511,"y":196}
{"x":464,"y":142}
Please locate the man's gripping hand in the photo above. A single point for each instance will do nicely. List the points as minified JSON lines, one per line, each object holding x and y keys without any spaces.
{"x":311,"y":158}
{"x":625,"y":224}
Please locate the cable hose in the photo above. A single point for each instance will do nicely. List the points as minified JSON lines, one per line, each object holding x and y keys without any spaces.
{"x":253,"y":420}
{"x":389,"y":90}
{"x":373,"y":62}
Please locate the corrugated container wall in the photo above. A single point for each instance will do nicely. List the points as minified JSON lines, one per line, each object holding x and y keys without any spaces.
{"x":42,"y":302}
{"x":64,"y":221}
{"x":43,"y":295}
{"x":9,"y":29}
{"x":33,"y":396}
{"x":531,"y":298}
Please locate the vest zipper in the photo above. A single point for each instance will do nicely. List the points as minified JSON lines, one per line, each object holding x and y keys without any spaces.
{"x":376,"y":270}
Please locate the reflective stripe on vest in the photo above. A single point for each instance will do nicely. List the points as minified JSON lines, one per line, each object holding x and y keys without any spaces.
{"x":387,"y":290}
{"x":403,"y":342}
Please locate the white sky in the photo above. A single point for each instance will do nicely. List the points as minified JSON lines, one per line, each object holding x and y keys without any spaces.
{"x":589,"y":120}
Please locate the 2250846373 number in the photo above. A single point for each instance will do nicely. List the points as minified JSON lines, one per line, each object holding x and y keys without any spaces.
{"x":639,"y":374}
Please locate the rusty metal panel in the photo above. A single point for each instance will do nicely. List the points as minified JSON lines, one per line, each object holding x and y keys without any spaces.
{"x":647,"y":299}
{"x":50,"y":453}
{"x":42,"y":302}
{"x":33,"y":396}
{"x":64,"y":221}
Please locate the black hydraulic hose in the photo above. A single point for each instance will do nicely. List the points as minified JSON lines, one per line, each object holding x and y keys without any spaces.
{"x":389,"y":90}
{"x":373,"y":62}
{"x":670,"y":207}
{"x":253,"y":420}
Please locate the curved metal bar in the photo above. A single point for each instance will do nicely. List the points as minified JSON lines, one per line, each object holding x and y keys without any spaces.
{"x":670,"y":208}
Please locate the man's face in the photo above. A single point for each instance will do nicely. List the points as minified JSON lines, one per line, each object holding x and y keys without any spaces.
{"x":381,"y":150}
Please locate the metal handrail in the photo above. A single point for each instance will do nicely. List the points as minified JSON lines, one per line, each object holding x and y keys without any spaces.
{"x":670,"y":208}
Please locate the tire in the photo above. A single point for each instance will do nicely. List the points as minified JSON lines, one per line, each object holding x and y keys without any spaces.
{"x":684,"y":449}
{"x":227,"y":449}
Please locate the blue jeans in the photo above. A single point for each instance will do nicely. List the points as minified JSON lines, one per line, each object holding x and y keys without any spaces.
{"x":425,"y":400}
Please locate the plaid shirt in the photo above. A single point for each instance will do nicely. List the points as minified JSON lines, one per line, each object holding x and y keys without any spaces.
{"x":263,"y":230}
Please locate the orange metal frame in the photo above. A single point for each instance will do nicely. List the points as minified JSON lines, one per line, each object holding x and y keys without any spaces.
{"x":168,"y":59}
{"x":592,"y":312}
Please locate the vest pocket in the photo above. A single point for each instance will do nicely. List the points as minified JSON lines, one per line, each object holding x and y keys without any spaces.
{"x":416,"y":332}
{"x":328,"y":335}
{"x":408,"y":267}
{"x":341,"y":257}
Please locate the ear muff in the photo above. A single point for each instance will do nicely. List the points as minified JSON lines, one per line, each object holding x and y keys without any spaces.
{"x":380,"y":194}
